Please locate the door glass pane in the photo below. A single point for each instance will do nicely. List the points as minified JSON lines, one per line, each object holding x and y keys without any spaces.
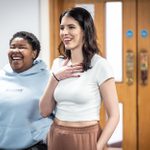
{"x":114,"y":37}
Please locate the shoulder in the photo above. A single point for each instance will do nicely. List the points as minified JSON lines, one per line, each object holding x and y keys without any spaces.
{"x":58,"y":61}
{"x":39,"y":65}
{"x":102,"y":69}
{"x":99,"y":61}
{"x":6,"y":70}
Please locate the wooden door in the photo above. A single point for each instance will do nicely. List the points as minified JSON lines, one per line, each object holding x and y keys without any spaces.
{"x":127,"y":87}
{"x":128,"y":91}
{"x":143,"y":86}
{"x":133,"y":95}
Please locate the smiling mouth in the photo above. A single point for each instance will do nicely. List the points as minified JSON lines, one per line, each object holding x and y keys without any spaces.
{"x":16,"y":58}
{"x":66,"y":40}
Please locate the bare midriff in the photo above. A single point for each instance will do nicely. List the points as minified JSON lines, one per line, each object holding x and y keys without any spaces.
{"x":76,"y":123}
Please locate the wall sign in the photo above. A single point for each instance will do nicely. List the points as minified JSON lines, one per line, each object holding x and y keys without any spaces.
{"x":144,"y":33}
{"x":129,"y":33}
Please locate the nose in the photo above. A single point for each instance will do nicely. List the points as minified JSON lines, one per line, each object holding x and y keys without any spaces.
{"x":65,"y":31}
{"x":15,"y":50}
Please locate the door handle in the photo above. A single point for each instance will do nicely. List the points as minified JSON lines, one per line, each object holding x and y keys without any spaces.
{"x":143,"y":59}
{"x":130,"y":67}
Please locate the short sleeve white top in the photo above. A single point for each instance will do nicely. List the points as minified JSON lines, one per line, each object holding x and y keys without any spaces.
{"x":79,"y":99}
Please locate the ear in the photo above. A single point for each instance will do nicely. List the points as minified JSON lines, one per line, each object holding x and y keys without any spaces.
{"x":34,"y":54}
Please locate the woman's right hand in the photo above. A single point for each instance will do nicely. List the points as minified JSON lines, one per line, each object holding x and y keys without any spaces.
{"x":67,"y":71}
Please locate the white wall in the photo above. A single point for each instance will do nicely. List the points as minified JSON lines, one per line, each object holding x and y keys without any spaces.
{"x":19,"y":15}
{"x":45,"y":31}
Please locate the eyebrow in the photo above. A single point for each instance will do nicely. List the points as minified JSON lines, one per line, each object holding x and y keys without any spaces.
{"x":68,"y":25}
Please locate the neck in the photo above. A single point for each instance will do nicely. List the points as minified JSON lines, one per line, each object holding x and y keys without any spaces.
{"x":76,"y":57}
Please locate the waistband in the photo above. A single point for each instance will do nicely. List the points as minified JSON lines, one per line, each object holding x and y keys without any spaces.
{"x":75,"y":124}
{"x":89,"y":128}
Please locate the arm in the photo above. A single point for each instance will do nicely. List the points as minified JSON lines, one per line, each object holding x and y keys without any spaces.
{"x":47,"y":102}
{"x":109,"y":95}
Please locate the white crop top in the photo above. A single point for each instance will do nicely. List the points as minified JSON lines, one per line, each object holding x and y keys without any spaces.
{"x":79,"y":99}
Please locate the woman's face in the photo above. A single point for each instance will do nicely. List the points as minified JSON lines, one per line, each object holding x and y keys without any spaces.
{"x":71,"y":33}
{"x":21,"y":55}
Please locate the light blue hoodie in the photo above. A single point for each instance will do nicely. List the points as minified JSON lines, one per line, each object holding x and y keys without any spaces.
{"x":21,"y":124}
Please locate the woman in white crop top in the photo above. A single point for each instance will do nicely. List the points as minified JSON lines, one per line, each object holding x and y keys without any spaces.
{"x":77,"y":101}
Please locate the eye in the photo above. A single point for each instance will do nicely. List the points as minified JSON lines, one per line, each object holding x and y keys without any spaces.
{"x":61,"y":27}
{"x":71,"y":27}
{"x":22,"y":47}
{"x":12,"y":47}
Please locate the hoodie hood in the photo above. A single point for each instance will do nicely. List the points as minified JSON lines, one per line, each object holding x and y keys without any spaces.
{"x":38,"y":66}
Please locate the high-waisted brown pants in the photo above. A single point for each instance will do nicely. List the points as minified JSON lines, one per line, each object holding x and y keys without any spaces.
{"x":73,"y":138}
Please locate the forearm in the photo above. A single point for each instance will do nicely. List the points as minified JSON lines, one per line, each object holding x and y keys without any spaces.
{"x":47,"y":102}
{"x":107,"y":132}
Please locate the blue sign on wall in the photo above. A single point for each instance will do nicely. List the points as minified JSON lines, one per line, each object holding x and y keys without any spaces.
{"x":144,"y":33}
{"x":129,"y":33}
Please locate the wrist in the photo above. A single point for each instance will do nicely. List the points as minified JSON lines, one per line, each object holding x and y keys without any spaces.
{"x":55,"y":77}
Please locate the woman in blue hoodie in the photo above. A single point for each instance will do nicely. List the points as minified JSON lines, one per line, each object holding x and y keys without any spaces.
{"x":22,"y":82}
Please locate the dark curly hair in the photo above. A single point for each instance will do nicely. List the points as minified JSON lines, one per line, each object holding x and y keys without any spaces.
{"x":90,"y":46}
{"x":31,"y":38}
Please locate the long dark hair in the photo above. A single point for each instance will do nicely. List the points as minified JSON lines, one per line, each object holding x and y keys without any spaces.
{"x":90,"y":46}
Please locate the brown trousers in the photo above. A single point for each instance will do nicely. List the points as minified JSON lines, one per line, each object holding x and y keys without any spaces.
{"x":73,"y":138}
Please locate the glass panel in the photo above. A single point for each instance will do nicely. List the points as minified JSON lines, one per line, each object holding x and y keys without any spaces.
{"x":114,"y":37}
{"x":117,"y":137}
